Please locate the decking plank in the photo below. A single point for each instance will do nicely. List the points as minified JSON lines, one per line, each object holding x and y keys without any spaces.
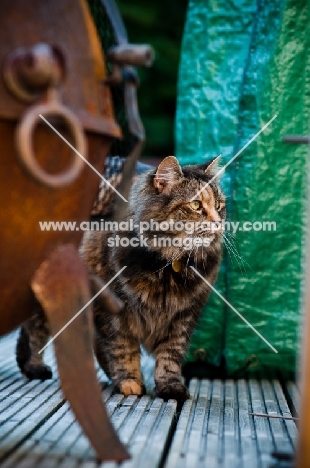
{"x":123,"y":411}
{"x":261,"y":425}
{"x":211,"y":451}
{"x":278,"y":429}
{"x":247,"y":436}
{"x":294,"y":394}
{"x":195,"y":439}
{"x":230,"y":435}
{"x":285,"y":411}
{"x":132,"y":421}
{"x":177,"y":452}
{"x":143,"y":432}
{"x":156,"y":444}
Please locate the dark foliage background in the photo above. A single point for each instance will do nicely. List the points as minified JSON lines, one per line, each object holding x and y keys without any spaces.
{"x":159,"y":23}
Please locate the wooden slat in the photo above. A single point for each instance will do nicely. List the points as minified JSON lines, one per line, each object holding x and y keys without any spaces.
{"x":142,"y":433}
{"x":212,"y":449}
{"x":48,"y":432}
{"x":123,"y":411}
{"x":230,"y":426}
{"x":278,"y":429}
{"x":152,"y":453}
{"x":261,"y":425}
{"x":20,"y":432}
{"x":195,"y":441}
{"x":114,"y":402}
{"x":248,"y":442}
{"x":177,"y":452}
{"x":285,"y":411}
{"x":294,"y":394}
{"x":131,"y":423}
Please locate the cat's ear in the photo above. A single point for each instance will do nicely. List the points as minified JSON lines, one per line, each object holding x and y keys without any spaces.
{"x":167,"y":175}
{"x":212,"y":166}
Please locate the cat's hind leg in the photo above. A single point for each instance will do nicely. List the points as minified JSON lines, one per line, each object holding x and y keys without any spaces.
{"x":32,"y":338}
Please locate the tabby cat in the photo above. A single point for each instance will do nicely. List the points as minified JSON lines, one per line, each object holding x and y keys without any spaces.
{"x":161,"y":292}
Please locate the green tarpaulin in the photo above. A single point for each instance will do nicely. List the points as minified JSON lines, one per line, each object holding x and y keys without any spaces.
{"x":243,"y":62}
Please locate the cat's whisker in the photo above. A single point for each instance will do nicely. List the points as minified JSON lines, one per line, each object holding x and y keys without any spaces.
{"x":188,"y":258}
{"x":232,"y":242}
{"x":229,"y":252}
{"x":232,"y":248}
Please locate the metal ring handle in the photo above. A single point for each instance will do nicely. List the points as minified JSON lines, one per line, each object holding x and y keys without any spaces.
{"x":24,"y":144}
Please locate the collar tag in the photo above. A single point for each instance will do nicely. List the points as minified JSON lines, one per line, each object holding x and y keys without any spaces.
{"x":176,"y":265}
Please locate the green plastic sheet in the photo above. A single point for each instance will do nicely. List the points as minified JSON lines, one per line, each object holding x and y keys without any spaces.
{"x":243,"y":62}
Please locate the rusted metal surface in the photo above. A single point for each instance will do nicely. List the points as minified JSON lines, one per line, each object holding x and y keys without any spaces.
{"x":29,"y":255}
{"x":65,"y":26}
{"x":25,"y":203}
{"x":28,"y":72}
{"x":61,"y":286}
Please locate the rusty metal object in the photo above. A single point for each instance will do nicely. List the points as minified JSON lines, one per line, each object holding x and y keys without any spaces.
{"x":24,"y":141}
{"x":63,"y":26}
{"x":29,"y":255}
{"x":132,"y":54}
{"x":36,"y":74}
{"x":137,"y":130}
{"x":123,"y":55}
{"x":27,"y":72}
{"x":61,"y":286}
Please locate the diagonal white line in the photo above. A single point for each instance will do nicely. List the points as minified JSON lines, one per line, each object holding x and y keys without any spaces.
{"x":81,"y":310}
{"x":235,"y":310}
{"x":233,"y":158}
{"x":84,"y":159}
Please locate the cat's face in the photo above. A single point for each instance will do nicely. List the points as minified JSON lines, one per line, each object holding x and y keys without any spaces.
{"x":181,"y":197}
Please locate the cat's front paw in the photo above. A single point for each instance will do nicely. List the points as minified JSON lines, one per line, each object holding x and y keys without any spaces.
{"x":40,"y":372}
{"x":172,"y":390}
{"x":130,"y":387}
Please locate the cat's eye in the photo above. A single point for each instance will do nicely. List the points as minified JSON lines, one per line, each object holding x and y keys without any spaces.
{"x":195,"y":205}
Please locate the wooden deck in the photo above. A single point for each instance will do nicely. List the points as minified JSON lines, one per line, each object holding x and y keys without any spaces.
{"x":213,"y":430}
